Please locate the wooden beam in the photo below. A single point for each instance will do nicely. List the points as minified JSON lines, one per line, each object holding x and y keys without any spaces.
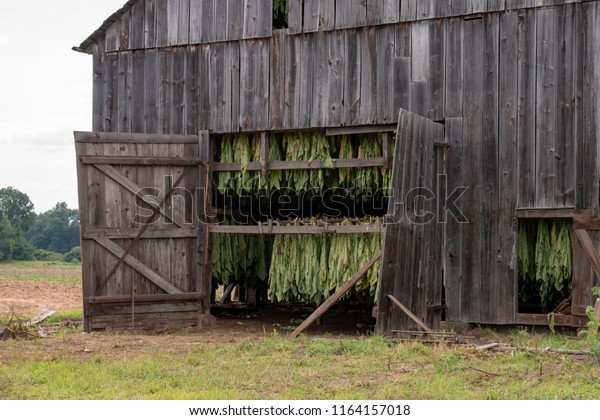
{"x":122,"y":233}
{"x":96,"y":137}
{"x":140,"y":161}
{"x":136,"y":264}
{"x":364,"y":129}
{"x":300,"y":164}
{"x":108,"y":300}
{"x":227,"y":293}
{"x":410,"y":314}
{"x":297,"y":230}
{"x":559,"y":320}
{"x":562,"y":213}
{"x":585,"y":223}
{"x":590,"y":250}
{"x":318,"y":313}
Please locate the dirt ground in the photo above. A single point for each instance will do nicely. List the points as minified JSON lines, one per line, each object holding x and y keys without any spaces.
{"x":24,"y":292}
{"x":32,"y":297}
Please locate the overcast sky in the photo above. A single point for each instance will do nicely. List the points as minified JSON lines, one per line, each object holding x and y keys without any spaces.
{"x":45,"y":93}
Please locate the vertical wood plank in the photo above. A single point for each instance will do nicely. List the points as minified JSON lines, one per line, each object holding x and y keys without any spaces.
{"x":437,"y":75}
{"x":591,"y":13}
{"x":420,"y":39}
{"x":138,"y":97}
{"x":454,"y":279}
{"x":408,"y":10}
{"x":307,"y":77}
{"x":352,"y":77}
{"x":526,"y":120}
{"x":386,"y":38}
{"x":454,"y":68}
{"x":327,"y":15}
{"x":177,"y":107}
{"x":208,"y":29}
{"x":183,"y":26}
{"x":489,"y":172}
{"x":137,"y":25}
{"x":125,"y":79}
{"x":461,"y":7}
{"x":545,"y":138}
{"x":495,"y":5}
{"x":191,"y":90}
{"x":233,"y":58}
{"x":391,"y":11}
{"x":195,"y":36}
{"x":368,"y":80}
{"x":292,"y":81}
{"x":221,"y":22}
{"x":374,"y":12}
{"x":151,"y":82}
{"x":172,"y":21}
{"x":113,"y":37}
{"x":99,"y":86}
{"x":258,"y":18}
{"x":320,"y":91}
{"x":508,"y":112}
{"x":162,"y":30}
{"x":111,"y":102}
{"x":335,"y":80}
{"x":125,"y":26}
{"x":311,"y":16}
{"x":565,"y":143}
{"x":150,"y":24}
{"x":164,"y":92}
{"x":471,"y":241}
{"x":254,"y":84}
{"x":295,"y":17}
{"x":219,"y":79}
{"x":277,"y":82}
{"x":236,"y":19}
{"x":578,"y":65}
{"x":86,"y":256}
{"x":204,"y":105}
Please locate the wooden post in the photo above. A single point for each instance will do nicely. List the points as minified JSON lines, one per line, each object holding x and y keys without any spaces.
{"x":264,"y":153}
{"x":597,"y":313}
{"x":335,"y":297}
{"x":410,"y":314}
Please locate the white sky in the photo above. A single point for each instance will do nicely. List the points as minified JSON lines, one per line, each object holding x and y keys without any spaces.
{"x":45,"y":93}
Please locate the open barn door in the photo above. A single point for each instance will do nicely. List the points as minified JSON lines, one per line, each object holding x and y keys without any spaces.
{"x":141,"y":201}
{"x":412,"y":272}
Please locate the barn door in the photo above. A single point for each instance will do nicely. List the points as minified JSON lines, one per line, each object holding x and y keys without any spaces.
{"x":139,"y":205}
{"x":411,"y":270}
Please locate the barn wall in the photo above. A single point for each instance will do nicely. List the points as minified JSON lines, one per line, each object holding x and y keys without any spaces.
{"x":517,"y":91}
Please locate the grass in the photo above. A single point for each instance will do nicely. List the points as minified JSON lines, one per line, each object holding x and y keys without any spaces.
{"x":278,"y":368}
{"x":53,"y":271}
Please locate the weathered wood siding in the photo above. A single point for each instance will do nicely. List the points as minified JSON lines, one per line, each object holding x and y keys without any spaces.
{"x":515,"y":84}
{"x":138,"y":270}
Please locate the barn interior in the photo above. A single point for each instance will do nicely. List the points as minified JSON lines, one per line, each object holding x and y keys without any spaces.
{"x":338,"y":181}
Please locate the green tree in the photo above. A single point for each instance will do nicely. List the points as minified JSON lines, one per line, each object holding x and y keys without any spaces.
{"x":56,"y":230}
{"x":17,"y":208}
{"x":7,"y":239}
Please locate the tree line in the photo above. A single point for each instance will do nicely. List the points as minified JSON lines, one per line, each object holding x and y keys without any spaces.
{"x":26,"y":235}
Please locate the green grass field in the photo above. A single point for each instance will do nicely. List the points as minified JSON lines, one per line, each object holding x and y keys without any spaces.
{"x":279,"y":368}
{"x":53,"y":271}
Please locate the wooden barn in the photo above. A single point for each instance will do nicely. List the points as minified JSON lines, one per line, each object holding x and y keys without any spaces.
{"x":482,"y":115}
